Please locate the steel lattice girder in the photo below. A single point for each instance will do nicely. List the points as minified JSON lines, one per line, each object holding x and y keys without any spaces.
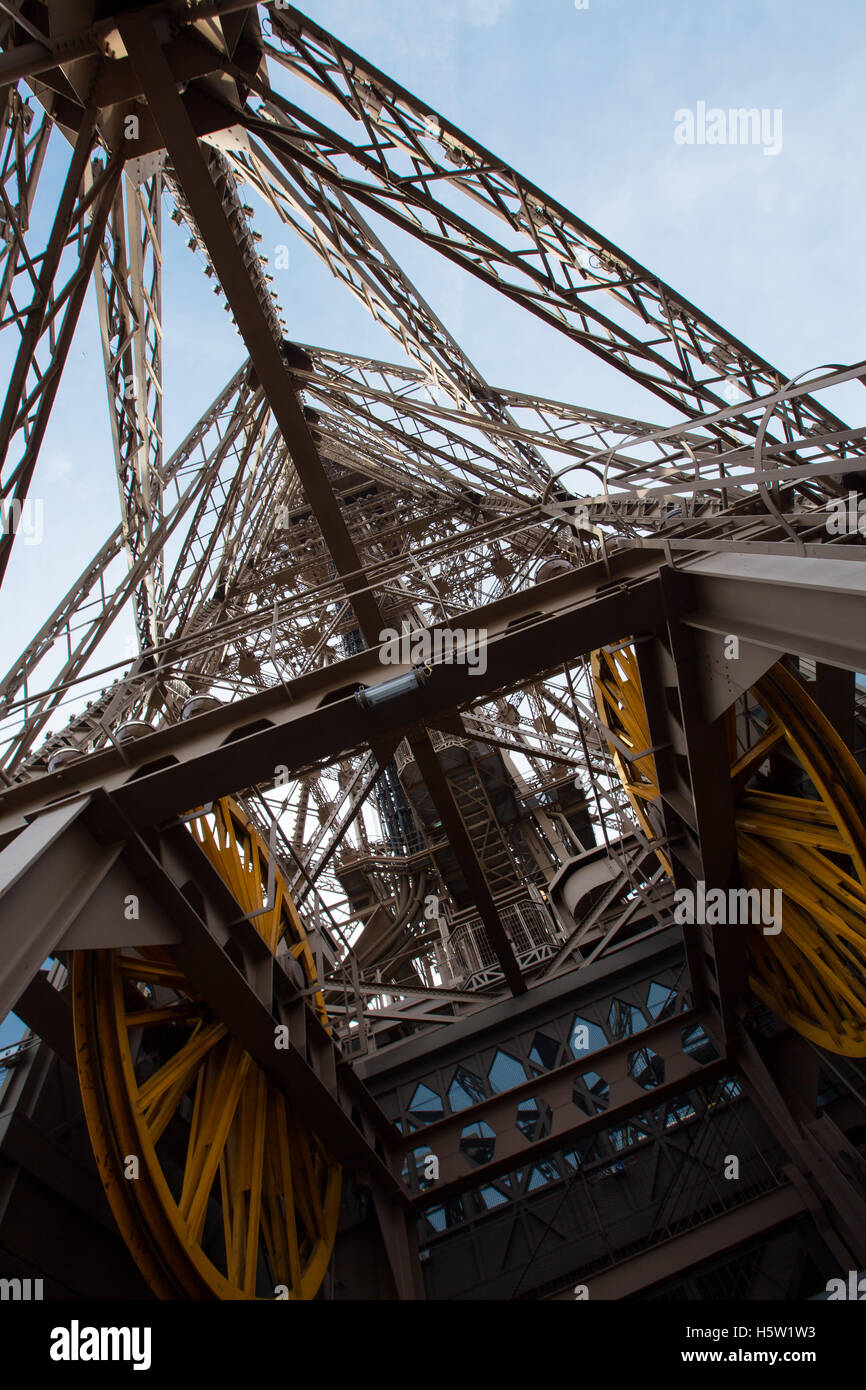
{"x":394,"y":120}
{"x":32,"y":388}
{"x":700,"y":356}
{"x":582,"y":617}
{"x":129,"y":300}
{"x":556,"y":268}
{"x":228,"y":418}
{"x":190,"y":167}
{"x":527,"y":634}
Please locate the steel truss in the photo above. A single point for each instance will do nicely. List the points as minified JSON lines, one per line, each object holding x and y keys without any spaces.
{"x":327,"y":503}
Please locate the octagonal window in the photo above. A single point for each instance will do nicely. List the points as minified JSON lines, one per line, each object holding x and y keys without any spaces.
{"x":544,"y":1051}
{"x":647,"y":1068}
{"x":624,"y":1019}
{"x":426,"y":1105}
{"x":505,"y":1072}
{"x":466,"y":1089}
{"x":697,"y":1044}
{"x":586,"y":1037}
{"x":413,"y":1166}
{"x":661,"y":1001}
{"x":534,"y":1118}
{"x":477,"y":1142}
{"x":591,"y":1093}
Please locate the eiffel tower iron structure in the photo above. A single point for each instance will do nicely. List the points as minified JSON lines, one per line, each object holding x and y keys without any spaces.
{"x":352,"y":903}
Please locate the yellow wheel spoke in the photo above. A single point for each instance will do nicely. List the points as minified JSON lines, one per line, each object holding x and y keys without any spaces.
{"x":751,"y":760}
{"x":212,"y":1137}
{"x":171,"y":1013}
{"x":255,"y":1190}
{"x":257,"y":1166}
{"x":135,"y":968}
{"x":283,"y":1184}
{"x":182,"y":1065}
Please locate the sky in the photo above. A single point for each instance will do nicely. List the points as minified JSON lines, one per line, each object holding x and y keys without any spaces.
{"x":583,"y":101}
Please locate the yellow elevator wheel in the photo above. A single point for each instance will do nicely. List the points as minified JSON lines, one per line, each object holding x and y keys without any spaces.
{"x":218,"y":1189}
{"x":812,"y":847}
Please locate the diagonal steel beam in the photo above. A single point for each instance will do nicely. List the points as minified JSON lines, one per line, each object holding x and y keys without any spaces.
{"x":179,"y":135}
{"x":191,"y":168}
{"x":470,"y":864}
{"x":47,"y":875}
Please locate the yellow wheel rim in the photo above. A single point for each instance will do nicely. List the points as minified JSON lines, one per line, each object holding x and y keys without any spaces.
{"x":229,"y":1196}
{"x":812,"y":847}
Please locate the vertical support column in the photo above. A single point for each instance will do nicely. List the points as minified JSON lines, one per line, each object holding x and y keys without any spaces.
{"x":693,"y":768}
{"x":833,"y":691}
{"x":401,"y":1245}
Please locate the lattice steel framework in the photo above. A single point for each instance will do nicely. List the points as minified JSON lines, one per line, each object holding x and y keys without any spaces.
{"x":327,"y":499}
